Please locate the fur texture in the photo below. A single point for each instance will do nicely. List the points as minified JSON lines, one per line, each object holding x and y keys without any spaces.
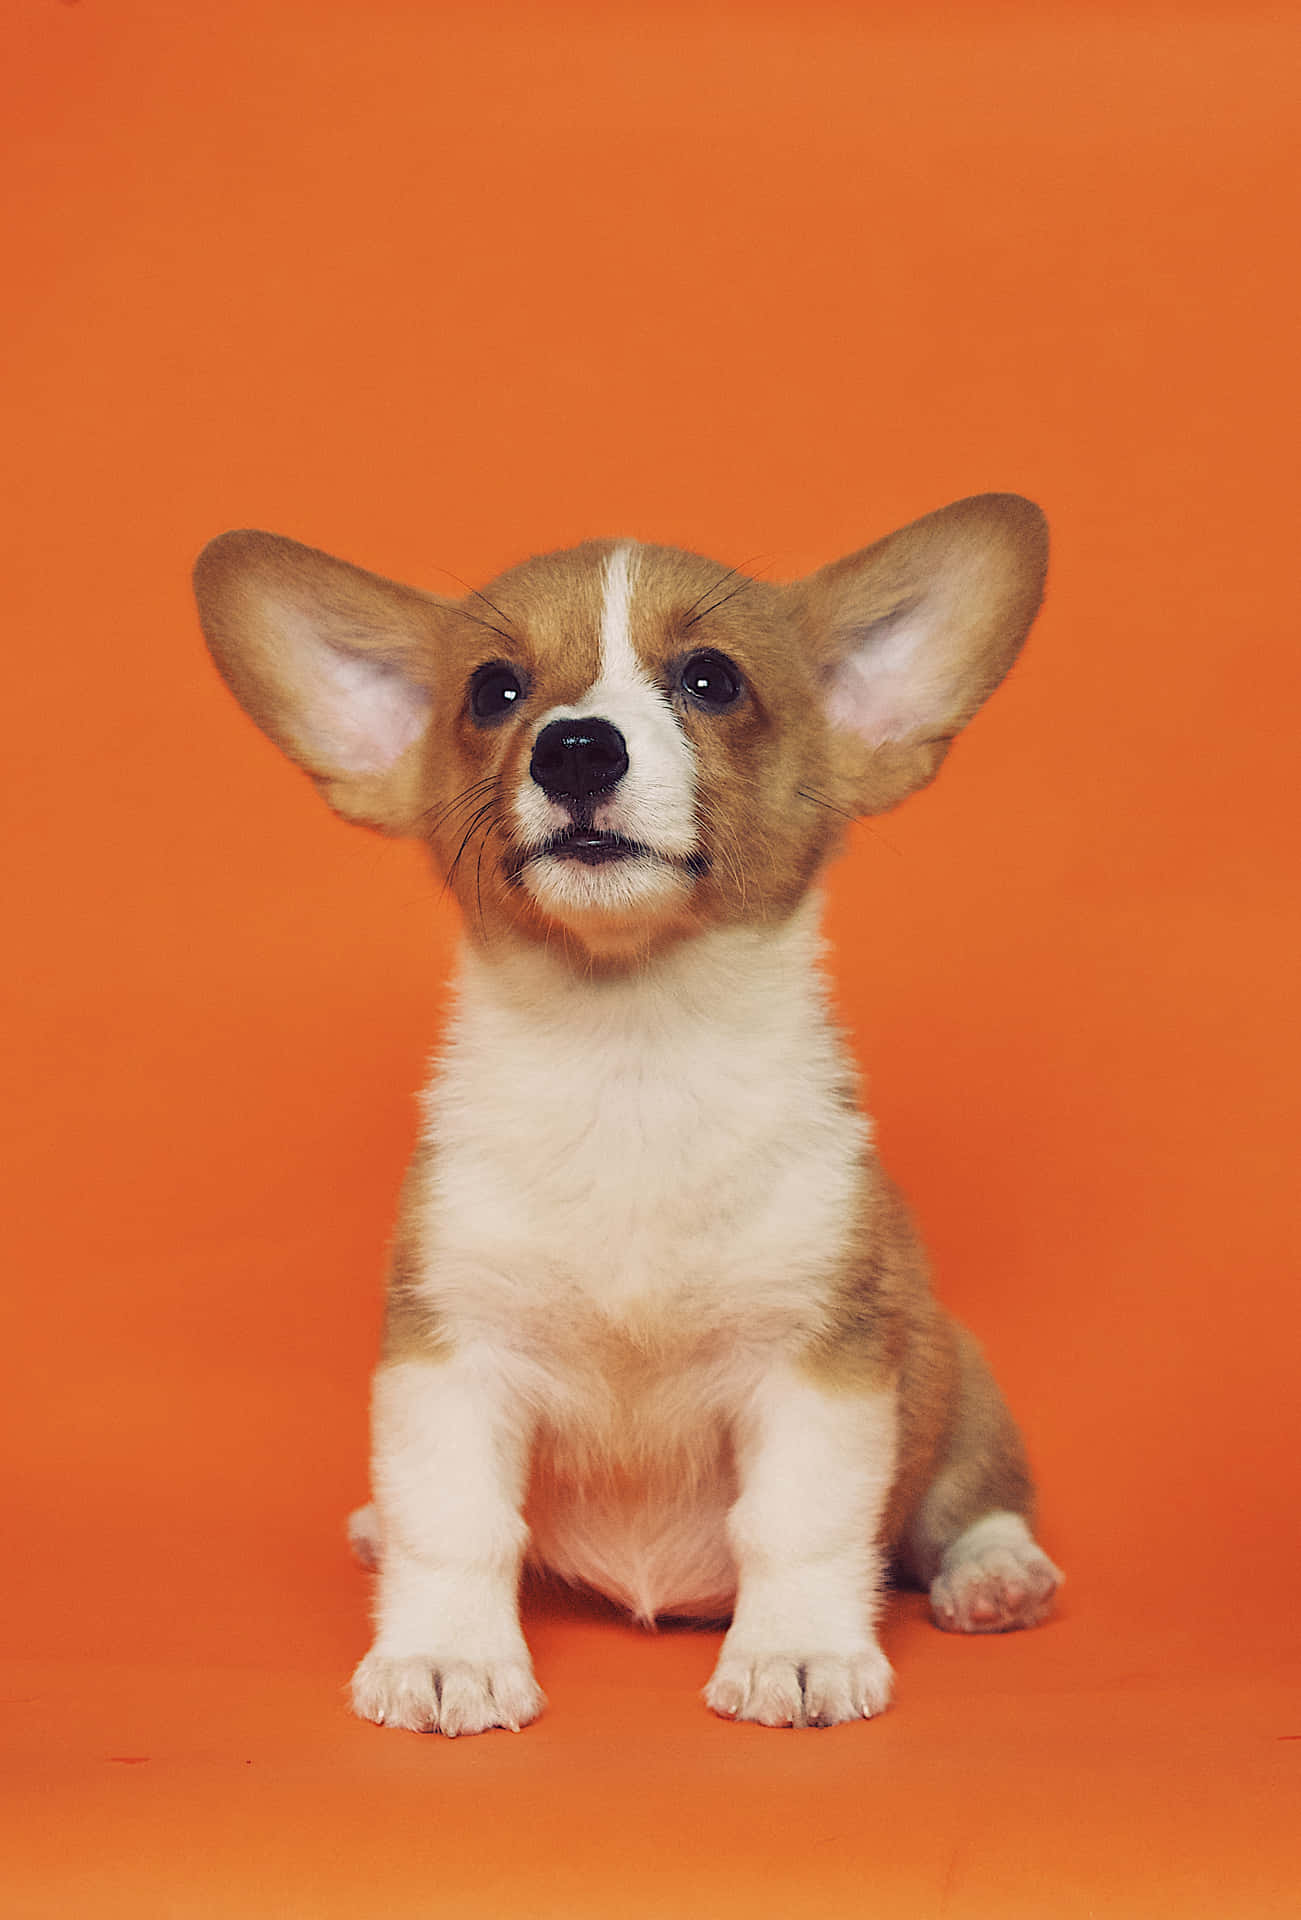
{"x":656,"y":1317}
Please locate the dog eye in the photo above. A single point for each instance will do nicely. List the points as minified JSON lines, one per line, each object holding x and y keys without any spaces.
{"x":494,"y":690}
{"x":712,"y":679}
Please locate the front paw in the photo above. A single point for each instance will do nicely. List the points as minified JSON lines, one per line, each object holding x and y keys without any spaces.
{"x":800,"y":1689}
{"x":427,"y":1694}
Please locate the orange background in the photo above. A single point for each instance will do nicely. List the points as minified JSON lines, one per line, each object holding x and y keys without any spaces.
{"x":433,"y":286}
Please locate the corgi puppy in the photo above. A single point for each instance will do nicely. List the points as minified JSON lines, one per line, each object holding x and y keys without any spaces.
{"x":656,"y":1318}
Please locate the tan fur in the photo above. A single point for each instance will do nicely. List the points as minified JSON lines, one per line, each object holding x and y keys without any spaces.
{"x":776,"y":787}
{"x":248,"y":584}
{"x":997,"y":545}
{"x":411,"y":1330}
{"x":979,"y":1467}
{"x":763,"y":767}
{"x":611,"y":1335}
{"x":959,"y":1452}
{"x":764,"y":827}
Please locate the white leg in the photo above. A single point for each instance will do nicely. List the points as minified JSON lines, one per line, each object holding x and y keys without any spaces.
{"x":815,"y":1466}
{"x":450,"y":1468}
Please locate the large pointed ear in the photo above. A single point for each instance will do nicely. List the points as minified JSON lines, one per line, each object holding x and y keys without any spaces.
{"x":332,"y":663}
{"x":914,"y":633}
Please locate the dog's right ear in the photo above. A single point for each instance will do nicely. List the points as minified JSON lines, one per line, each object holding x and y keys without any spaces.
{"x":334,"y":664}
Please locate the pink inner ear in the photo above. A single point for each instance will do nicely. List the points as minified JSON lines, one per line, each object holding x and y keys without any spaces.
{"x":886,"y":687}
{"x":356,"y":714}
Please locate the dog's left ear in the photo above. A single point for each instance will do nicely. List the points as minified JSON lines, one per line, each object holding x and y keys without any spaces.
{"x":914,"y":633}
{"x":333,"y":663}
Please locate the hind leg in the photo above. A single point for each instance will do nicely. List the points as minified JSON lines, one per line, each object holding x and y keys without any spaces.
{"x":995,"y":1577}
{"x":970,"y":1541}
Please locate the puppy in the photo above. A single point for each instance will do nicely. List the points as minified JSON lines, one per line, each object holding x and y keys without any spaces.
{"x":656,"y":1317}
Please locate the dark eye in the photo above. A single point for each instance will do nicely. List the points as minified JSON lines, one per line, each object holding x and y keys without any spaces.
{"x":494,"y":690}
{"x":712,"y":679}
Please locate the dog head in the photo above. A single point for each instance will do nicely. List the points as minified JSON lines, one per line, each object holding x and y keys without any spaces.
{"x":627,"y":742}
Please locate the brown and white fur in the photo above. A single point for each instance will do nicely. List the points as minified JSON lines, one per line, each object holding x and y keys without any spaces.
{"x":656,"y":1317}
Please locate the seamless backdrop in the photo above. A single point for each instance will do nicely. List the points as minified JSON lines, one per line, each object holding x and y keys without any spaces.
{"x":436,"y":285}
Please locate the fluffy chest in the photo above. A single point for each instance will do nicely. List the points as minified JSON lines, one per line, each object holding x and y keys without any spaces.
{"x":667,"y":1163}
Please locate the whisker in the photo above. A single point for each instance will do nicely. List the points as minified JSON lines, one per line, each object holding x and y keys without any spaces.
{"x":500,"y":611}
{"x":728,"y":849}
{"x":817,"y":800}
{"x":485,"y":812}
{"x":854,"y":819}
{"x":443,"y":811}
{"x":715,"y":605}
{"x":714,"y":585}
{"x":474,"y":786}
{"x":494,"y":826}
{"x":478,"y":881}
{"x":491,"y":626}
{"x":478,"y":594}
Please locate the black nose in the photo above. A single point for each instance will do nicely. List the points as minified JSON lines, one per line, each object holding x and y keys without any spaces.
{"x":573,"y":759}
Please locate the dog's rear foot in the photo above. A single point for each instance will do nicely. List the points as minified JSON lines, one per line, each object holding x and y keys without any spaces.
{"x":994,"y":1578}
{"x":363,"y":1537}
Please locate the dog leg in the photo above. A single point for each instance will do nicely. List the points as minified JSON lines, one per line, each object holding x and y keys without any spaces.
{"x":994,"y":1577}
{"x":970,"y":1540}
{"x":451,"y":1460}
{"x":815,"y":1468}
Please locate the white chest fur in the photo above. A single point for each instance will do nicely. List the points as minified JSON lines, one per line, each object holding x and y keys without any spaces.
{"x":668,"y":1158}
{"x":640,"y":1188}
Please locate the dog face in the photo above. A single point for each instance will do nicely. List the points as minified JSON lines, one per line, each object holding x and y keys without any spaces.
{"x":627,"y":743}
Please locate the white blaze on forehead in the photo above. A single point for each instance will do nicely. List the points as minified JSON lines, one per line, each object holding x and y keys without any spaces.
{"x":618,"y":661}
{"x":655,"y":802}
